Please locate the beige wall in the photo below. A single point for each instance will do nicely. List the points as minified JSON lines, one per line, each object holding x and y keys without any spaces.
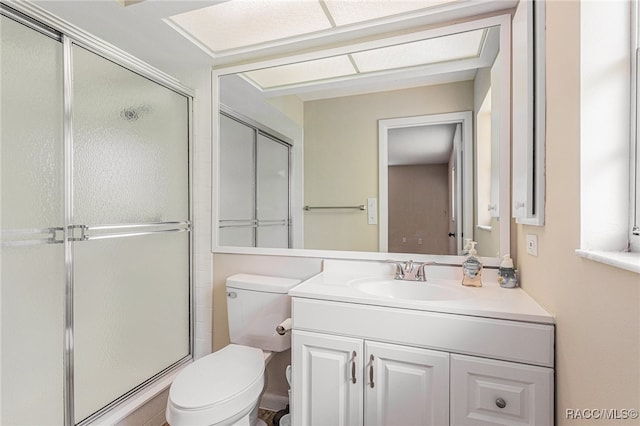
{"x":341,"y":157}
{"x":597,"y":307}
{"x":419,"y":209}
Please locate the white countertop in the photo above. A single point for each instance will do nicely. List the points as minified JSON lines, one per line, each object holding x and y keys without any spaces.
{"x":489,"y":301}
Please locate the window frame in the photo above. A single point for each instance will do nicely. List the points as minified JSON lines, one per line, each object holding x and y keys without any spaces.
{"x":608,"y":195}
{"x":634,"y":148}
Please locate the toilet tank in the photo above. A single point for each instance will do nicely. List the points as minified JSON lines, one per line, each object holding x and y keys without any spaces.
{"x":256,"y":305}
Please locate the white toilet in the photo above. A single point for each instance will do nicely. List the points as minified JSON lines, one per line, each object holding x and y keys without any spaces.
{"x":224,"y":388}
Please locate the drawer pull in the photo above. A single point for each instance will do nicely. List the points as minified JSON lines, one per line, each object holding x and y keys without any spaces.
{"x":371,"y":371}
{"x":501,"y":403}
{"x":353,"y":367}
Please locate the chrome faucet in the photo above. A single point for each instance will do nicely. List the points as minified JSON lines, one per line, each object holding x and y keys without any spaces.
{"x":410,"y":270}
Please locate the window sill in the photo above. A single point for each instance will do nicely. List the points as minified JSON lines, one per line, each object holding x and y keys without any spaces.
{"x":624,"y":260}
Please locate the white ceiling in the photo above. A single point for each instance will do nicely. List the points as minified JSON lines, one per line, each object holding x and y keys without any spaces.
{"x":420,"y":145}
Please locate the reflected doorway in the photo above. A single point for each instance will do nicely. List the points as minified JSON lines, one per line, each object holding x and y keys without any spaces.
{"x":423,"y":193}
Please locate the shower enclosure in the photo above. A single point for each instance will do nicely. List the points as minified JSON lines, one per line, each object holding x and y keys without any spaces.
{"x":96,"y":234}
{"x":254,"y":184}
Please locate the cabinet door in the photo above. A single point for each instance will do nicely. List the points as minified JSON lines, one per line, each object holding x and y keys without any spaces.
{"x":405,"y":386}
{"x":489,"y":392}
{"x":327,"y":380}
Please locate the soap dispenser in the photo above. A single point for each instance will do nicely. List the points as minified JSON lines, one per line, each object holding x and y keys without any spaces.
{"x":472,"y":268}
{"x":506,"y":273}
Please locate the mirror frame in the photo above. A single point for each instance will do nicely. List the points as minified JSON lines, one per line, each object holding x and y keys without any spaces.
{"x":529,"y":114}
{"x":501,"y":20}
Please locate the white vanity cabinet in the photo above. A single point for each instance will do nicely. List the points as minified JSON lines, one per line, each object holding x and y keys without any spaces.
{"x":405,"y":385}
{"x":491,"y":392}
{"x":348,"y":381}
{"x":327,"y":380}
{"x":427,"y":368}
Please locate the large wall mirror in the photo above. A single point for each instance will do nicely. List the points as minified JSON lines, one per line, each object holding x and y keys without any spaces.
{"x":392,"y":148}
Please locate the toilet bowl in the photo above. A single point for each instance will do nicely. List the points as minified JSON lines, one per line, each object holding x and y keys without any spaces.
{"x":219,"y":389}
{"x":224,"y":388}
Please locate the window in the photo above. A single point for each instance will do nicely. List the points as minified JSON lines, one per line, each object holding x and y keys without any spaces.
{"x":609,"y":84}
{"x":635,"y":128}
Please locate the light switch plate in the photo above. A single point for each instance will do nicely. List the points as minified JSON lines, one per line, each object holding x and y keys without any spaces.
{"x":372,"y":211}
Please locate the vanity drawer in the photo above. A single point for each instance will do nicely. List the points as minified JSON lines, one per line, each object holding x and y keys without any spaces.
{"x":489,"y":392}
{"x":525,"y":342}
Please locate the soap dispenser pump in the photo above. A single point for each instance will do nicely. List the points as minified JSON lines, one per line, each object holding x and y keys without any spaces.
{"x":472,"y":268}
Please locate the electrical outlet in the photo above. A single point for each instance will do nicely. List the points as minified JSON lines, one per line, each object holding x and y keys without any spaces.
{"x":532,"y":244}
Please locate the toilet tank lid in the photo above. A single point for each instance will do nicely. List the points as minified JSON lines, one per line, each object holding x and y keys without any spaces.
{"x":261,"y":283}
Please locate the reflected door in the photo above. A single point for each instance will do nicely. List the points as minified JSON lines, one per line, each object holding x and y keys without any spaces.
{"x":272,"y":197}
{"x":254,"y":186}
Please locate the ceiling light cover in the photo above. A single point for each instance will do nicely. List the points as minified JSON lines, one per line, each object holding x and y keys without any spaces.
{"x":240,"y":23}
{"x":302,"y":72}
{"x":345,"y":12}
{"x":424,"y":52}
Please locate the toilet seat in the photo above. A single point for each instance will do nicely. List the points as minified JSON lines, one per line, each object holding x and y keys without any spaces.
{"x":217,"y":387}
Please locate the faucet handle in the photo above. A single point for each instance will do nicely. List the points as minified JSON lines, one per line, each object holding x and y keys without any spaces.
{"x":399,"y":270}
{"x":422,"y":273}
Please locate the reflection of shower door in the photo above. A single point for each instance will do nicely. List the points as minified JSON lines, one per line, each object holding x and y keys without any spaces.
{"x":254,"y":186}
{"x":95,"y":229}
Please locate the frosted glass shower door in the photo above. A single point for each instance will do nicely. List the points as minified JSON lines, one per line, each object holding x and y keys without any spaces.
{"x":237,"y":183}
{"x":272,"y":193}
{"x":32,"y":217}
{"x":131,"y":224}
{"x":254,"y":186}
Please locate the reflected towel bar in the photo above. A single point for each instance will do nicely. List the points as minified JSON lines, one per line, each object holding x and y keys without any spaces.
{"x":360,"y":207}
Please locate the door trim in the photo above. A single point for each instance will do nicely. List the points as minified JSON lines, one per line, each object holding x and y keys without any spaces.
{"x":465,"y":119}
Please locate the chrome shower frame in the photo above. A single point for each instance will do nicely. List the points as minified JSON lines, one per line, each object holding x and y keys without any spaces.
{"x":42,"y":21}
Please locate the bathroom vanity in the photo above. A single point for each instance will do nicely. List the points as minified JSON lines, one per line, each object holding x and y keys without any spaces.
{"x":371,"y":350}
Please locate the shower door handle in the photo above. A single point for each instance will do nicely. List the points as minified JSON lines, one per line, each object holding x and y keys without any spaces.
{"x":100,"y":232}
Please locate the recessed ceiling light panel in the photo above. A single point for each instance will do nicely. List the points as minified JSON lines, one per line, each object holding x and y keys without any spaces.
{"x":424,"y":52}
{"x":302,"y":72}
{"x":350,"y":12}
{"x":239,"y":23}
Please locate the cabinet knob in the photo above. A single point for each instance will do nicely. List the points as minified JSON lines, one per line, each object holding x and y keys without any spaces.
{"x":501,"y":403}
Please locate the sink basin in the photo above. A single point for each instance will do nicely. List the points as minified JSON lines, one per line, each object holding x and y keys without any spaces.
{"x":408,"y":290}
